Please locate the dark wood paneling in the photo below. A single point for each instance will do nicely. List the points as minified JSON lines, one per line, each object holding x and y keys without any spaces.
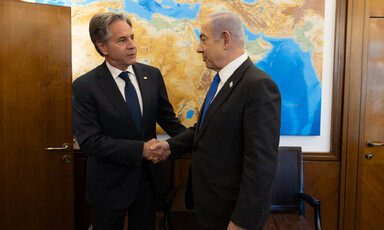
{"x":181,"y":167}
{"x":321,"y":180}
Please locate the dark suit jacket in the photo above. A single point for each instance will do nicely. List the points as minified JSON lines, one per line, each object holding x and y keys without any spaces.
{"x":106,"y":133}
{"x":234,"y":154}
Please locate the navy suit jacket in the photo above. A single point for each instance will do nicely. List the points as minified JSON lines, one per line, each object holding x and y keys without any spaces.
{"x":108,"y":136}
{"x":234,"y":154}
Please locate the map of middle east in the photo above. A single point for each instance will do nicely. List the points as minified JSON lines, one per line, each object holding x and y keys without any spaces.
{"x":284,"y":38}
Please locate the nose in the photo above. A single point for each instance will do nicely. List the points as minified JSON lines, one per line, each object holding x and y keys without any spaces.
{"x":199,"y":49}
{"x":131,"y":44}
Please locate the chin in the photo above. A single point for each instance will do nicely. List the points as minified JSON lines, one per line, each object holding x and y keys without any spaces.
{"x":131,"y":61}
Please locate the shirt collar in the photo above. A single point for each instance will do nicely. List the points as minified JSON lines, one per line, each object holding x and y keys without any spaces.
{"x":231,"y":67}
{"x":116,"y":72}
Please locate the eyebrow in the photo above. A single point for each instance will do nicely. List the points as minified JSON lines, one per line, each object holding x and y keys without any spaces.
{"x":125,"y":36}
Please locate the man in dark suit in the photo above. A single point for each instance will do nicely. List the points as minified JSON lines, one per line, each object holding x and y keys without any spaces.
{"x":115,"y":115}
{"x":234,"y":144}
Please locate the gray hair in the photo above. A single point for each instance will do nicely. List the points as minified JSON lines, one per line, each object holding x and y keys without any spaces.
{"x":99,"y":27}
{"x":230,"y":22}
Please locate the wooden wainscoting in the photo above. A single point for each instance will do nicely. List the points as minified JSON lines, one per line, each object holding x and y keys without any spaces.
{"x":321,"y":179}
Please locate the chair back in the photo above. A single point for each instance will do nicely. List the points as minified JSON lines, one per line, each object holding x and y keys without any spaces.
{"x":288,"y":181}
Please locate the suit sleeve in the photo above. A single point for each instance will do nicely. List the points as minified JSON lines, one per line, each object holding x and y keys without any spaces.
{"x":92,"y":139}
{"x":261,"y":129}
{"x":182,"y":143}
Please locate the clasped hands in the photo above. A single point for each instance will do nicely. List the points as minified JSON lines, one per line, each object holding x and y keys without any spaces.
{"x":156,"y":151}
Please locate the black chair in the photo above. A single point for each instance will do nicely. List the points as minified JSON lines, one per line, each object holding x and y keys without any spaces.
{"x":288,"y":208}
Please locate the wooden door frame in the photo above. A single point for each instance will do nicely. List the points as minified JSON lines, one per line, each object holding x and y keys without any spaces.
{"x":353,"y":107}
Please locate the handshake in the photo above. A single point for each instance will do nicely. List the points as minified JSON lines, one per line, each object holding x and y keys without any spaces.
{"x":156,"y":151}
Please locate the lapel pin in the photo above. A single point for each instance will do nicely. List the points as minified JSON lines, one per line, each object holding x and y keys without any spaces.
{"x":231,"y":84}
{"x":145,"y":78}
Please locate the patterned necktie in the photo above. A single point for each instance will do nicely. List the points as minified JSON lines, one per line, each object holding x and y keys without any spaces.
{"x":131,"y":99}
{"x":210,"y":95}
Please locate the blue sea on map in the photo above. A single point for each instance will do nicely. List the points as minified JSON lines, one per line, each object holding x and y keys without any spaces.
{"x":292,"y":70}
{"x":288,"y":65}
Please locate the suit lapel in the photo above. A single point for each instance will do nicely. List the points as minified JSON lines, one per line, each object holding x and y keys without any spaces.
{"x":110,"y":89}
{"x":225,"y":91}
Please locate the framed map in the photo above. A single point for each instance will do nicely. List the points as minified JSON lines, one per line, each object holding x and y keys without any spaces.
{"x":285,"y":38}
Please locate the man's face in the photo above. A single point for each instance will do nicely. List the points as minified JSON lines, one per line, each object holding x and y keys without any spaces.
{"x":121,"y":50}
{"x":212,"y":51}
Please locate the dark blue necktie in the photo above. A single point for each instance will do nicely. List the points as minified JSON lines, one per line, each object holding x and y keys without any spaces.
{"x":210,"y":95}
{"x":131,"y":99}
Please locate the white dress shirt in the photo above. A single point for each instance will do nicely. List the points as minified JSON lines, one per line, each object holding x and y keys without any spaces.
{"x":121,"y":83}
{"x":228,"y":70}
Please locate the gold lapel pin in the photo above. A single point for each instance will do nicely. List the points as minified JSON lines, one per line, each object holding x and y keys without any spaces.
{"x":145,"y":78}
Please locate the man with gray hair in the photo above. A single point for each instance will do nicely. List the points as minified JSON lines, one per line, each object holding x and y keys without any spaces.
{"x":116,"y":108}
{"x":234,"y":144}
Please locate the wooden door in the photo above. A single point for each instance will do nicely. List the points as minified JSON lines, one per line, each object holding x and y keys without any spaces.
{"x":362,"y":175}
{"x":370,"y":199}
{"x":36,"y":184}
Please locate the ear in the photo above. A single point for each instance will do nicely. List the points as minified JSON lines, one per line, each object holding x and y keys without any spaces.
{"x":102,"y":47}
{"x":227,"y":39}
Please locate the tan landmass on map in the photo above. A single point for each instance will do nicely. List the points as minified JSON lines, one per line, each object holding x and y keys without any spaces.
{"x":170,"y":44}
